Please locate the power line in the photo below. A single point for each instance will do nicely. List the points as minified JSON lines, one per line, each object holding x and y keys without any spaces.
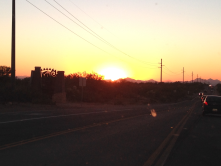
{"x":92,"y":32}
{"x":67,"y":27}
{"x":71,"y":30}
{"x":97,"y":36}
{"x":150,"y":68}
{"x":98,"y":23}
{"x":166,"y":73}
{"x":172,"y":75}
{"x":78,"y":20}
{"x":91,"y":17}
{"x":169,"y":70}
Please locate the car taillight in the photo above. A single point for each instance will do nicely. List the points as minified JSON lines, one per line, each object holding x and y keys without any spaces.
{"x":205,"y":103}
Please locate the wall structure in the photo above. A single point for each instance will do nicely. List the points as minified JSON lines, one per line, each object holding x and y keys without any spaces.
{"x":58,"y":85}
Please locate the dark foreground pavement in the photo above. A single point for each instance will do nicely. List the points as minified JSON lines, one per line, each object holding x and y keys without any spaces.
{"x":199,"y":144}
{"x":178,"y":136}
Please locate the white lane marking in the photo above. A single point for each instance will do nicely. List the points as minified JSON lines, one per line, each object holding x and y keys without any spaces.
{"x":22,"y":120}
{"x":19,"y":113}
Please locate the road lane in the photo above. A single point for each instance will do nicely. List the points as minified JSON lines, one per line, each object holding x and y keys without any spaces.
{"x":57,"y":116}
{"x":199,"y":144}
{"x":14,"y":112}
{"x":35,"y":127}
{"x":126,"y":142}
{"x":161,"y":154}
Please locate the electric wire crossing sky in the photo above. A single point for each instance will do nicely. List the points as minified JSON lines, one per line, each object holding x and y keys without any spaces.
{"x":132,"y":36}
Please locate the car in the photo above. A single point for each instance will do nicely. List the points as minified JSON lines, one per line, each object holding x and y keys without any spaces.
{"x":201,"y":94}
{"x":212,"y":105}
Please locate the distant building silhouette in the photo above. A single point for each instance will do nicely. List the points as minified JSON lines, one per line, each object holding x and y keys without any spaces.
{"x":49,"y":82}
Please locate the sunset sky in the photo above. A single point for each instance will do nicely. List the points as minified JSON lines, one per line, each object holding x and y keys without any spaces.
{"x":124,"y":36}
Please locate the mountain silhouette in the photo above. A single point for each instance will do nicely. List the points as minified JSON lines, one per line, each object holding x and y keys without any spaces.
{"x":206,"y":81}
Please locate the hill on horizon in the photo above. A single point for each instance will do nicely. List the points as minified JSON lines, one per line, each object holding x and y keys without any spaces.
{"x":207,"y":81}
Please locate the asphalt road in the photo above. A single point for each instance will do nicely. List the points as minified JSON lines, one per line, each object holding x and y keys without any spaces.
{"x":102,"y":135}
{"x":200,"y":145}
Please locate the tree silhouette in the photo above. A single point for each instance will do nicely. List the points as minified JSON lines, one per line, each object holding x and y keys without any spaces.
{"x":5,"y":71}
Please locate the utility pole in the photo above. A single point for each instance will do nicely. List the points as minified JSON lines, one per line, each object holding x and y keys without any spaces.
{"x":183,"y":74}
{"x":192,"y":77}
{"x":161,"y":66}
{"x":13,"y":46}
{"x":197,"y":77}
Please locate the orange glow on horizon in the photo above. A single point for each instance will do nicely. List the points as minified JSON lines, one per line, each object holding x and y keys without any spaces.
{"x":113,"y":73}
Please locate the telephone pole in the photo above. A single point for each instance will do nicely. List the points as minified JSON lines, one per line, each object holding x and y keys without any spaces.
{"x":13,"y":46}
{"x":183,"y":74}
{"x":161,"y":66}
{"x":197,"y":77}
{"x":192,"y":77}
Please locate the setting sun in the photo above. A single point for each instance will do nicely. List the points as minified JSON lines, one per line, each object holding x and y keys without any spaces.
{"x":112,"y":73}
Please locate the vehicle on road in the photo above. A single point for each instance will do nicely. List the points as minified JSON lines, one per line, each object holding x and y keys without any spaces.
{"x":201,"y":94}
{"x":212,"y":104}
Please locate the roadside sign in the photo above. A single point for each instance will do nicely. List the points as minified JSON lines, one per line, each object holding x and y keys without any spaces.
{"x":82,"y":81}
